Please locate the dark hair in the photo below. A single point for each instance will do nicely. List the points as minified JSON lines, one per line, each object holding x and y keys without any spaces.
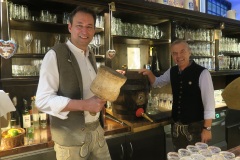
{"x":84,"y":10}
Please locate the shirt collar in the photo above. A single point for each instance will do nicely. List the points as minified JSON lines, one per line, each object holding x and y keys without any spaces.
{"x":75,"y":49}
{"x":190,"y":63}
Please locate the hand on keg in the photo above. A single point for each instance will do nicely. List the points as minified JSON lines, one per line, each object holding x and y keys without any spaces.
{"x":121,"y":71}
{"x":95,"y":105}
{"x":147,"y":72}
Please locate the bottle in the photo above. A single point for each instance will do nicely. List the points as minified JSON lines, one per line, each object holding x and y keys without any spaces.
{"x":25,"y":115}
{"x":27,"y":123}
{"x":155,"y":64}
{"x":152,"y":105}
{"x":35,"y":113}
{"x":43,"y":120}
{"x":15,"y":115}
{"x":188,"y":4}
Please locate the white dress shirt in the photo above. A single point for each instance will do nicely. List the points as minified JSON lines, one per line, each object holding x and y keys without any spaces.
{"x":206,"y":87}
{"x":47,"y":99}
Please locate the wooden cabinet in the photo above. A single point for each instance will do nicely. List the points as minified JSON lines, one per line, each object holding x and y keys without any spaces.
{"x":131,"y":14}
{"x":149,"y":144}
{"x":23,"y":62}
{"x":19,"y":74}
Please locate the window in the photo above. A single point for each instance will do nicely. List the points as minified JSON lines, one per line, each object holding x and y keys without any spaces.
{"x":218,"y":7}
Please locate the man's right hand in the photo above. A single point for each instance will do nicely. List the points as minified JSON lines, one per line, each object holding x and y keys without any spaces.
{"x":147,"y":72}
{"x":95,"y":104}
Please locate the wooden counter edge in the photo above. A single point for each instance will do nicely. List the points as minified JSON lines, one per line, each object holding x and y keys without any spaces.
{"x":235,"y":150}
{"x":27,"y":148}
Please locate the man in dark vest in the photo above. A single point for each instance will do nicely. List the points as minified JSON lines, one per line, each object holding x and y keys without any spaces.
{"x":193,"y":105}
{"x":66,"y":74}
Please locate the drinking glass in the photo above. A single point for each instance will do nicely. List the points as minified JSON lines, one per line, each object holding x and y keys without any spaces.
{"x":186,"y":158}
{"x":97,"y":42}
{"x":214,"y":149}
{"x":184,"y":153}
{"x":196,"y":156}
{"x":201,"y":145}
{"x":217,"y":157}
{"x":92,"y":46}
{"x":57,"y":38}
{"x":28,"y":40}
{"x":10,"y":9}
{"x":172,"y":156}
{"x":54,"y":18}
{"x":44,"y":15}
{"x":227,"y":155}
{"x":16,"y":12}
{"x":99,"y":21}
{"x":152,"y":106}
{"x":193,"y":149}
{"x":22,"y":11}
{"x":205,"y":152}
{"x":65,"y":19}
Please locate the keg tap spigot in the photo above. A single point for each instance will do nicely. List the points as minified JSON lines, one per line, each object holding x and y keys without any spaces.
{"x":140,"y":113}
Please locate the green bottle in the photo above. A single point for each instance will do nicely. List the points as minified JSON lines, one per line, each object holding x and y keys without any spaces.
{"x":27,"y":123}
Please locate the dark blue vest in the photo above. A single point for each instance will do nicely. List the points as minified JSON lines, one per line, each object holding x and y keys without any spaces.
{"x":187,"y":101}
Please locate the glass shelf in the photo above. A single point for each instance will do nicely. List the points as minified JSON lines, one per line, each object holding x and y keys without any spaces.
{"x":137,"y":40}
{"x":39,"y":26}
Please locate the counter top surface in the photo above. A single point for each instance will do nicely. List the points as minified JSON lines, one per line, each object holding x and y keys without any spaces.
{"x":42,"y":138}
{"x":112,"y":126}
{"x":235,"y":150}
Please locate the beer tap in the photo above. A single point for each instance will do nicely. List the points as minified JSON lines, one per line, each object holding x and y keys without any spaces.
{"x":140,"y":113}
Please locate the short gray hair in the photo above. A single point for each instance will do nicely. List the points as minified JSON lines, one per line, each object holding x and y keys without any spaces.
{"x":178,"y":41}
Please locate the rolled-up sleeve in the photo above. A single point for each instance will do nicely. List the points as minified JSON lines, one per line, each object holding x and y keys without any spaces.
{"x":47,"y":99}
{"x":162,"y":80}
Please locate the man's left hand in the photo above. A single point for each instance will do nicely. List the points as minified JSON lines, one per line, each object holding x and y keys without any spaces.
{"x":206,"y":136}
{"x":121,"y":71}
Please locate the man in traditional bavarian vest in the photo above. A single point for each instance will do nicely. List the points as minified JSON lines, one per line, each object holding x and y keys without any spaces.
{"x":66,"y":74}
{"x":193,"y":106}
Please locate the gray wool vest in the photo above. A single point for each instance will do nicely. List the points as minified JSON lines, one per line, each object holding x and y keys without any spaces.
{"x":66,"y":132}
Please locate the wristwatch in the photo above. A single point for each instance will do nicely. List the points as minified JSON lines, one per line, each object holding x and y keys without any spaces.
{"x":207,"y":128}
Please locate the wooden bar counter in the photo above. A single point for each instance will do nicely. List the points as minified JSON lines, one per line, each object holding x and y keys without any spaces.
{"x":42,"y":138}
{"x":116,"y":130}
{"x":235,"y":150}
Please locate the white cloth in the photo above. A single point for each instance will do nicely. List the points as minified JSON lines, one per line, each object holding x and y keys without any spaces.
{"x":6,"y":104}
{"x":47,"y":99}
{"x":206,"y":87}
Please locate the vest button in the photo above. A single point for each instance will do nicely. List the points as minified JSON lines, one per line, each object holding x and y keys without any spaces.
{"x":180,"y":97}
{"x":180,"y":81}
{"x":179,"y":112}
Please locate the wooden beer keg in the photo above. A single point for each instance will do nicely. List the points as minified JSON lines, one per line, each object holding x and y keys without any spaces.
{"x":133,"y":95}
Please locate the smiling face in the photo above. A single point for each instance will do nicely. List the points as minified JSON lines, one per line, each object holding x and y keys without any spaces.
{"x":181,"y":54}
{"x":82,"y":30}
